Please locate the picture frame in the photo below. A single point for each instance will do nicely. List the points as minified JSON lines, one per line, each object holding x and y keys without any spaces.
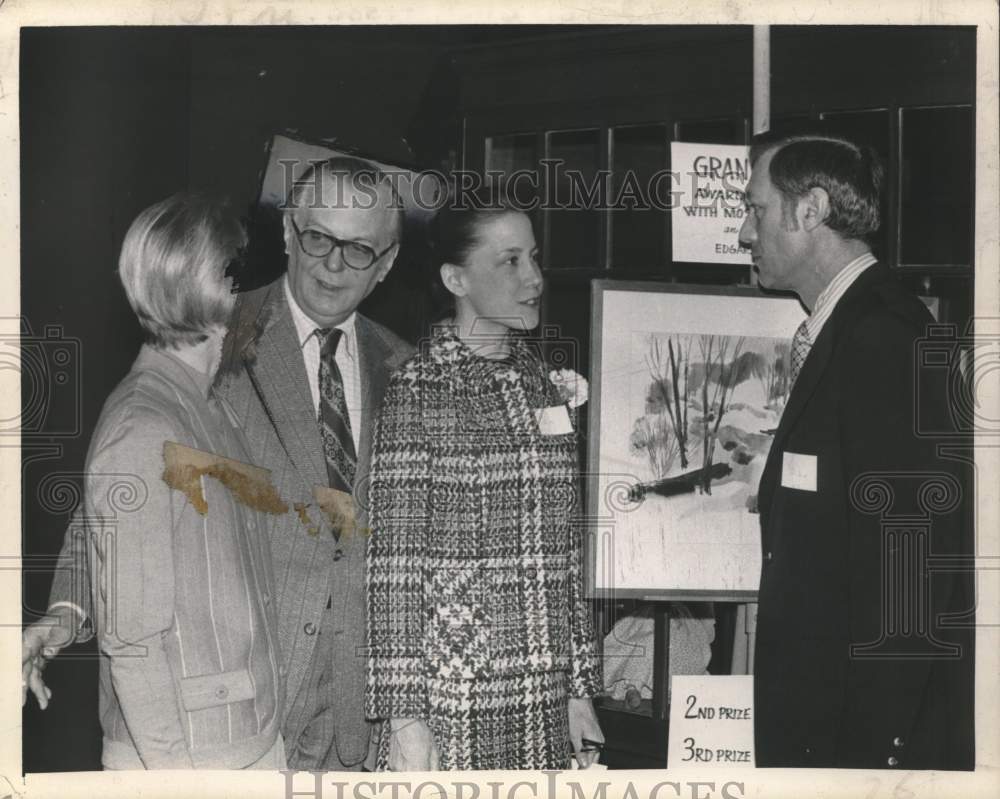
{"x":288,"y":156}
{"x":670,"y":487}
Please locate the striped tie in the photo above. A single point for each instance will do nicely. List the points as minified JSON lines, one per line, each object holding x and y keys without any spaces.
{"x":334,"y":421}
{"x":801,"y":345}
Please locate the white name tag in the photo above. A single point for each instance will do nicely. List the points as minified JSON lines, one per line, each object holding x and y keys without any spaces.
{"x":554,"y":421}
{"x":798,"y":471}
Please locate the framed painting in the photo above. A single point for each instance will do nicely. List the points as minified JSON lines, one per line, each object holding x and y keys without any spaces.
{"x":688,"y":386}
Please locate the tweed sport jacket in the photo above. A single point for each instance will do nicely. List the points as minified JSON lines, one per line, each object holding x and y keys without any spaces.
{"x":475,"y":556}
{"x":263,"y":377}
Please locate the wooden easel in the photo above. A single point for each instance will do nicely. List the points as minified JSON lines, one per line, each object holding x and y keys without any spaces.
{"x":637,"y":737}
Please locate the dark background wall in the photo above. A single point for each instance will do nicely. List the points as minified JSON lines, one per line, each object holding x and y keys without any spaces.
{"x":114,"y":119}
{"x":104,"y":132}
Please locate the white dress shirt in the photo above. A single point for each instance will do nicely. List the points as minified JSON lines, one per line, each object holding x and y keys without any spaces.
{"x":830,"y":296}
{"x":347,"y":361}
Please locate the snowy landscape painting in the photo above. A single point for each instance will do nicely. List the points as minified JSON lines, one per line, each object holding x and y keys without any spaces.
{"x":690,"y":388}
{"x":711,"y":404}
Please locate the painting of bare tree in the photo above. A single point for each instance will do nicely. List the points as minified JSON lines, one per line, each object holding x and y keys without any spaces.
{"x":691,"y":387}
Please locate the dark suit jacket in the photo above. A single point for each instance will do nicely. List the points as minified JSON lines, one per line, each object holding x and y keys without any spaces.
{"x":263,"y":377}
{"x":824,"y":586}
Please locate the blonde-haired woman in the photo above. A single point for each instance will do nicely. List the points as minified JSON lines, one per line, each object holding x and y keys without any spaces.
{"x":186,"y":625}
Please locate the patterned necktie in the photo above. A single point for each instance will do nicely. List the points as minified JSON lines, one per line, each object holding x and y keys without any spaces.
{"x":800,"y":349}
{"x":334,"y":420}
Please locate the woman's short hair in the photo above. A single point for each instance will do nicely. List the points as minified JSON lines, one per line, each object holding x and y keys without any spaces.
{"x":173,"y":266}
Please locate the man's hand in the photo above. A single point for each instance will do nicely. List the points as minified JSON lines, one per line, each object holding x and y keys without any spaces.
{"x":411,"y":746}
{"x":583,"y":724}
{"x":40,"y":642}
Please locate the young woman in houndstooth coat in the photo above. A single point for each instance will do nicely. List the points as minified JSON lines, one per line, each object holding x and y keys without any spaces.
{"x":481,"y":650}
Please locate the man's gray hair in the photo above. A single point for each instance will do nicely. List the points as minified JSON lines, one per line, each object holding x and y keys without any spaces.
{"x":364,"y":178}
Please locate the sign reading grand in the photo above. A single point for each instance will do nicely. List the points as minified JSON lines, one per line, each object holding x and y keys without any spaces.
{"x":709,"y":202}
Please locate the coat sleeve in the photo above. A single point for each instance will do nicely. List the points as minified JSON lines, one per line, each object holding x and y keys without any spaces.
{"x":399,"y":517}
{"x":880,"y":437}
{"x":71,"y":581}
{"x":586,"y":673}
{"x":585,"y":668}
{"x":133,"y":581}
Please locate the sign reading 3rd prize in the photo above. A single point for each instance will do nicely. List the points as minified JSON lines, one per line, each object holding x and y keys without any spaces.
{"x":709,"y":202}
{"x":711,"y":721}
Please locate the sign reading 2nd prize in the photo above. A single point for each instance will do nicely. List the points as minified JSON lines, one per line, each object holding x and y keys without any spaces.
{"x":711,"y":721}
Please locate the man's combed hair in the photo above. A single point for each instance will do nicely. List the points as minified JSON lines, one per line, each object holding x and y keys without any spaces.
{"x":173,"y":267}
{"x":325,"y":184}
{"x":852,"y":177}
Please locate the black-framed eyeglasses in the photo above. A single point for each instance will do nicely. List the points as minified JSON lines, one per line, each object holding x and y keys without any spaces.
{"x":319,"y":245}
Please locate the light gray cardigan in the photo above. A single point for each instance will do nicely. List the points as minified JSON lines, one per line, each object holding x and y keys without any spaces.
{"x":185,"y":615}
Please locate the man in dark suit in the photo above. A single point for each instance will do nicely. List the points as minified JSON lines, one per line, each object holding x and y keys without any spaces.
{"x":305,"y":374}
{"x":857,"y":663}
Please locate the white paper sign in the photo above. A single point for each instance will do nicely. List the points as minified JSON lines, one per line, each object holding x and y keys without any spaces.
{"x":708,"y":207}
{"x":711,"y":722}
{"x":554,"y":421}
{"x":798,"y":471}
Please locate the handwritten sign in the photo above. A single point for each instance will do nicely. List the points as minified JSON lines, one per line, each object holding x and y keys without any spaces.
{"x":709,"y":205}
{"x":711,"y":721}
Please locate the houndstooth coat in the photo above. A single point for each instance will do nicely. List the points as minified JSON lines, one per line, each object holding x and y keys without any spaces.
{"x":476,"y":618}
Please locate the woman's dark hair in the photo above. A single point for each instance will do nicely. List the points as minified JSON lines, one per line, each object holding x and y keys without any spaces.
{"x":453,"y":234}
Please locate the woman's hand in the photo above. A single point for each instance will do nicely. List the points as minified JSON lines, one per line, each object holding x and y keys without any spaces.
{"x":583,"y":724}
{"x":40,"y":642}
{"x":411,"y":746}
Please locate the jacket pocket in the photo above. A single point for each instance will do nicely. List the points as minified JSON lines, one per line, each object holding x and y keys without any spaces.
{"x":211,"y":690}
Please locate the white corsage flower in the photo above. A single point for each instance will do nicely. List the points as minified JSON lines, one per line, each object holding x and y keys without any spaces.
{"x":573,"y":387}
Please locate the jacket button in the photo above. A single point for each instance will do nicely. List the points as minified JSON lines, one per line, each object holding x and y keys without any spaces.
{"x":768,"y":557}
{"x":338,"y":554}
{"x":221,"y":692}
{"x":892,"y":761}
{"x":267,"y":599}
{"x":898,"y":742}
{"x":309,"y":629}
